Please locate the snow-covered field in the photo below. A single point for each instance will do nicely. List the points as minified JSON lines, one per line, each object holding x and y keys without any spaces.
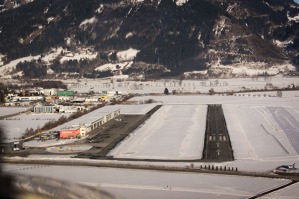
{"x":11,"y":110}
{"x":289,"y":192}
{"x":48,"y":143}
{"x":68,"y":149}
{"x":136,"y":109}
{"x":202,"y":86}
{"x":173,"y":132}
{"x":131,"y":184}
{"x":15,"y":127}
{"x":262,"y":131}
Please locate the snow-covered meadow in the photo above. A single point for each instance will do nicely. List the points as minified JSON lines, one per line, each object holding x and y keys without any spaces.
{"x":127,"y":183}
{"x":14,"y":127}
{"x":194,"y":86}
{"x":264,"y":131}
{"x":6,"y":111}
{"x":173,"y":132}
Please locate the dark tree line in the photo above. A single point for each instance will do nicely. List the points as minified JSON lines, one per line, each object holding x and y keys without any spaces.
{"x":50,"y":84}
{"x":32,"y":69}
{"x":3,"y":91}
{"x":98,"y":74}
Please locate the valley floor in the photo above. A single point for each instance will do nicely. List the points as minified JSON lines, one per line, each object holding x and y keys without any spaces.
{"x":264,"y":134}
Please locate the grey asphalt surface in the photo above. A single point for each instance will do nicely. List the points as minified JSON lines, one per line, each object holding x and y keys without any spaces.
{"x":217,"y":142}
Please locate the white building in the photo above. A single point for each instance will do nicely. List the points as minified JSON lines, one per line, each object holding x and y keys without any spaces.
{"x":50,"y":92}
{"x":39,"y":108}
{"x":92,"y":120}
{"x":27,"y":98}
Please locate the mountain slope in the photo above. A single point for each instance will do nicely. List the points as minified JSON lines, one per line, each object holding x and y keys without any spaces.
{"x":150,"y":37}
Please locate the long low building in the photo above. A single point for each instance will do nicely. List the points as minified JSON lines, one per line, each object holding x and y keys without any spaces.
{"x":39,"y":108}
{"x":83,"y":125}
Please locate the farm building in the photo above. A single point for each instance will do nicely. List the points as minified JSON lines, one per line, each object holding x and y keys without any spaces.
{"x":71,"y":132}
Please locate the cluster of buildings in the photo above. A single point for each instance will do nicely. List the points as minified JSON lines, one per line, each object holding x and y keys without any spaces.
{"x":62,"y":101}
{"x":54,"y":100}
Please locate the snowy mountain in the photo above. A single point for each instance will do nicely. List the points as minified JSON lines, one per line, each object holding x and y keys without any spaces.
{"x":152,"y":38}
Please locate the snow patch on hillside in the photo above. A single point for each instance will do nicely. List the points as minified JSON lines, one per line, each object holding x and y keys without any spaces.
{"x":53,"y":54}
{"x":1,"y":60}
{"x":113,"y":67}
{"x":82,"y":54}
{"x":295,"y":18}
{"x":130,"y":34}
{"x":203,"y":72}
{"x":47,"y":58}
{"x":11,"y":66}
{"x":220,"y":26}
{"x":50,"y":71}
{"x":180,"y":2}
{"x":88,"y":22}
{"x":273,"y":70}
{"x":17,"y":74}
{"x":127,"y":55}
{"x":251,"y":68}
{"x":282,"y":44}
{"x":231,"y":7}
{"x":100,"y":9}
{"x":137,"y":1}
{"x":50,"y":19}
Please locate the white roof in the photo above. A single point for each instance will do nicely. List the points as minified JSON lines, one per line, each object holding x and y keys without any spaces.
{"x":89,"y":118}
